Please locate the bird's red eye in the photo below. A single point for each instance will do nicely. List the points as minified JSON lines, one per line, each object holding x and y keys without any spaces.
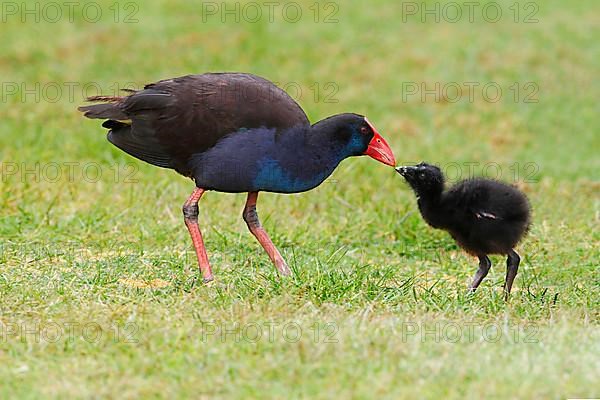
{"x":364,"y":130}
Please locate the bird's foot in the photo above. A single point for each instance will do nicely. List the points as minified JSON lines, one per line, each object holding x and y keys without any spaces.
{"x":282,"y":267}
{"x":207,"y":280}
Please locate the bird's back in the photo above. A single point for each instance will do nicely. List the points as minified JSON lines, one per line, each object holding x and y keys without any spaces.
{"x":504,"y":201}
{"x":173,"y":119}
{"x":486,"y":214}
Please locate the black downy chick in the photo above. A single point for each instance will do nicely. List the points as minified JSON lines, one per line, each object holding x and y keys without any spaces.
{"x":484,"y":216}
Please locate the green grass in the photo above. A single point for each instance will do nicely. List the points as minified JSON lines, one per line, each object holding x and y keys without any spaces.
{"x":377,"y":298}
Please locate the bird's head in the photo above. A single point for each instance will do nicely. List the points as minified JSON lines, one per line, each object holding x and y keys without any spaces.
{"x":354,"y":135}
{"x":425,"y":179}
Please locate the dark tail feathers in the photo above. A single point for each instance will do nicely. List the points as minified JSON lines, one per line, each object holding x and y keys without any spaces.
{"x":110,"y":110}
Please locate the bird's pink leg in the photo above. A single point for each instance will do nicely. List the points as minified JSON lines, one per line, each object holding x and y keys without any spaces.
{"x":190,"y":217}
{"x":251,"y":218}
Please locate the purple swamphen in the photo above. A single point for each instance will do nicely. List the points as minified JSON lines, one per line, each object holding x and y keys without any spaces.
{"x":233,"y":132}
{"x":484,"y":216}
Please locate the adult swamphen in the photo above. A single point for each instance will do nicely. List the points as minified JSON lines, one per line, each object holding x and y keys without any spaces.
{"x":233,"y":132}
{"x":484,"y":216}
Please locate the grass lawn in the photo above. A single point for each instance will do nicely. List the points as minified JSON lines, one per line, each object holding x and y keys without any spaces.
{"x":99,"y":296}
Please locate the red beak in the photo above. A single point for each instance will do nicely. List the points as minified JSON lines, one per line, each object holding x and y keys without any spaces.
{"x":379,"y":149}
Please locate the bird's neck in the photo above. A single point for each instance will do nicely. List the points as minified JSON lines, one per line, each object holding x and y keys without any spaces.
{"x":322,"y":141}
{"x":322,"y":155}
{"x":297,"y":161}
{"x":430,"y":206}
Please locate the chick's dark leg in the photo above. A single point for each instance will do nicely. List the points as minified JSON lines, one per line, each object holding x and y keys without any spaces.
{"x":251,"y":218}
{"x":484,"y":267}
{"x":190,"y":217}
{"x":512,"y":266}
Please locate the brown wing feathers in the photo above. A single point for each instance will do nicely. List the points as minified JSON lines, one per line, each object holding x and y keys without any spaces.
{"x":175,"y":118}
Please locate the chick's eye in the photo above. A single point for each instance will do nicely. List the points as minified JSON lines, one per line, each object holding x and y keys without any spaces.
{"x":421,"y":175}
{"x":364,"y":130}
